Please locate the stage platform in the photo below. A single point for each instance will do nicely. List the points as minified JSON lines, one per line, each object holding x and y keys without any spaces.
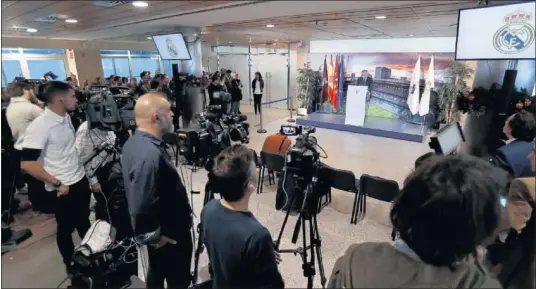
{"x":376,"y":126}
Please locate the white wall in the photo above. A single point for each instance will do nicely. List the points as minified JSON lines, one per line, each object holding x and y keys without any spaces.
{"x":393,"y":45}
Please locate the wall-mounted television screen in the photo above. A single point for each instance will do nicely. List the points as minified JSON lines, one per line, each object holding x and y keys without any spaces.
{"x":497,"y":32}
{"x":172,"y":47}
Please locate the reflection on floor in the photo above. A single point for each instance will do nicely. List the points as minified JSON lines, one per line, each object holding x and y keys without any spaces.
{"x":37,"y":263}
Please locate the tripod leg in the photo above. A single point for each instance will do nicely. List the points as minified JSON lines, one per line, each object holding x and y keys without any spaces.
{"x":318,"y":247}
{"x":278,"y":242}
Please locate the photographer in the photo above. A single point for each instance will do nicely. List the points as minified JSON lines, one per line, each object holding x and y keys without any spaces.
{"x":447,"y":208}
{"x":49,"y":155}
{"x":157,"y":200}
{"x":165,"y":90}
{"x":236,"y":94}
{"x":250,"y":261}
{"x":143,"y":87}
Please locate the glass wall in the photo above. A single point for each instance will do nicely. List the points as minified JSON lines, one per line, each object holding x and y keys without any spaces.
{"x":32,"y":63}
{"x":131,"y":63}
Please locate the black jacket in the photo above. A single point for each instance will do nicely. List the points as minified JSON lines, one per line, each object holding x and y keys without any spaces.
{"x":365,"y":82}
{"x":211,"y":89}
{"x":253,"y":85}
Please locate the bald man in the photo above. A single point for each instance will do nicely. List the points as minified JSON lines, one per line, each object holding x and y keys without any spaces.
{"x":157,"y":200}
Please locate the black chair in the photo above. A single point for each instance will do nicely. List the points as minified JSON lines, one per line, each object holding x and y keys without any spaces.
{"x":345,"y":181}
{"x":258,"y":165}
{"x":274,"y":163}
{"x":380,"y":189}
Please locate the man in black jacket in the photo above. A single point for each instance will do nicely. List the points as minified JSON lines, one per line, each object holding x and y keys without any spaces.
{"x":365,"y":80}
{"x":157,"y":200}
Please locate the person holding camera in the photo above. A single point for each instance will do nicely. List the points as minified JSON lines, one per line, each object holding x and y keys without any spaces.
{"x":49,"y":155}
{"x":250,"y":260}
{"x":448,"y":208}
{"x":157,"y":200}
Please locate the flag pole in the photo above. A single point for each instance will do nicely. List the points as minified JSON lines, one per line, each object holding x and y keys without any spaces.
{"x":288,"y":86}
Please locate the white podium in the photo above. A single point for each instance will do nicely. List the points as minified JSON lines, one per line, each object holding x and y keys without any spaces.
{"x":356,"y":105}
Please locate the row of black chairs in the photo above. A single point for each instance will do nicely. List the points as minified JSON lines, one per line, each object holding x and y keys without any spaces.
{"x":344,"y":180}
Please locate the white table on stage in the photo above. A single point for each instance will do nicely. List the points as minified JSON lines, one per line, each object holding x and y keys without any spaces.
{"x":356,"y":105}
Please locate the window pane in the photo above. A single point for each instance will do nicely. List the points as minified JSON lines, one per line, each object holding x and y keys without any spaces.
{"x":43,"y":51}
{"x":121,"y":67}
{"x":142,"y":52}
{"x":10,"y":51}
{"x":38,"y":68}
{"x":114,"y":52}
{"x":11,"y":69}
{"x":140,"y":64}
{"x":108,"y":66}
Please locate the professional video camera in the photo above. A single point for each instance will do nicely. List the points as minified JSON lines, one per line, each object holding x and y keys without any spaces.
{"x":214,"y":133}
{"x":113,"y":112}
{"x":304,"y":189}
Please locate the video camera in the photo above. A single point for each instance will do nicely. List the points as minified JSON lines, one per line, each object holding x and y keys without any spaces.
{"x":303,"y":156}
{"x":215,"y":132}
{"x":112,"y":112}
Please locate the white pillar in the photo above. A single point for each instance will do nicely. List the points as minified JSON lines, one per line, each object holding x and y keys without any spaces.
{"x":195,"y":65}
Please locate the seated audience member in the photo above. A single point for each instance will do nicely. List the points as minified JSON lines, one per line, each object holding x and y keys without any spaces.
{"x":154,"y":84}
{"x":133,"y":83}
{"x":520,"y":130}
{"x":446,"y":209}
{"x":513,"y":260}
{"x":240,"y":249}
{"x":277,"y":143}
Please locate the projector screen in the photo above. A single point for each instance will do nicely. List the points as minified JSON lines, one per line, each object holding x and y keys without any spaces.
{"x":496,"y":32}
{"x":172,"y":47}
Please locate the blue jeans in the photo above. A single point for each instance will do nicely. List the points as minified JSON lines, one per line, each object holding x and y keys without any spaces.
{"x":234,"y":107}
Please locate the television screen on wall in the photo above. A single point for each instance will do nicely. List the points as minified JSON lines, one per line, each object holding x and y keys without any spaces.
{"x":171,"y":47}
{"x":497,"y":32}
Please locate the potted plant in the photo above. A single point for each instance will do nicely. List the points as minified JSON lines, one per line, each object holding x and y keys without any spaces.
{"x":306,"y":81}
{"x":458,"y":73}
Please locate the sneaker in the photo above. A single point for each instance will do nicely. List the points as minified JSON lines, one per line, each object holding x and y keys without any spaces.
{"x":23,"y":190}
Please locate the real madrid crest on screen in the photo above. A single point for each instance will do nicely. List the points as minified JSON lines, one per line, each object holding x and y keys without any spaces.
{"x":172,"y":50}
{"x":516,"y":35}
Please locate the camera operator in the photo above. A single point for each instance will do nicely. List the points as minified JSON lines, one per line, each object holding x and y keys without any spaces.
{"x":448,"y":207}
{"x":157,"y":199}
{"x":49,"y":155}
{"x":250,"y":261}
{"x":87,"y":142}
{"x":520,"y":130}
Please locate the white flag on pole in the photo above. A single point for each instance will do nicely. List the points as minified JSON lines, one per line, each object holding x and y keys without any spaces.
{"x":424,"y":106}
{"x":414,"y":89}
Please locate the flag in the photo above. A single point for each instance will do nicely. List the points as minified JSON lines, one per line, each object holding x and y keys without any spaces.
{"x":335,"y":95}
{"x":331,"y":76}
{"x":424,"y":107}
{"x":342,"y":77}
{"x":325,"y":93}
{"x":414,"y":89}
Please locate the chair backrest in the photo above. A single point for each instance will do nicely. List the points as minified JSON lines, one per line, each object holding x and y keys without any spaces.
{"x":339,"y":179}
{"x":379,"y":188}
{"x":255,"y":157}
{"x":273,"y":161}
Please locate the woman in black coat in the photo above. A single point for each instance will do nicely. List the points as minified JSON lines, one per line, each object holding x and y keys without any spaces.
{"x":257,"y":86}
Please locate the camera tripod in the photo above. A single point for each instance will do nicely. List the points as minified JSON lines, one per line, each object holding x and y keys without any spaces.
{"x":307,"y":216}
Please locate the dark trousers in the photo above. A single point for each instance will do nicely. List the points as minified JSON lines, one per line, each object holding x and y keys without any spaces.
{"x":8,"y":178}
{"x":19,"y":181}
{"x":171,"y":263}
{"x":72,"y":212}
{"x":257,"y":102}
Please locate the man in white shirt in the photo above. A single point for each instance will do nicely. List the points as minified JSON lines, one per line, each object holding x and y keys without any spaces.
{"x":49,"y":154}
{"x":22,"y":110}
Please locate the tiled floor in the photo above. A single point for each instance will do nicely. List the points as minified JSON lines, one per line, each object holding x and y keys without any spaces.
{"x":37,"y":264}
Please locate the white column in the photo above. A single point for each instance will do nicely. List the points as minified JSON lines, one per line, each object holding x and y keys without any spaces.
{"x":193,"y":66}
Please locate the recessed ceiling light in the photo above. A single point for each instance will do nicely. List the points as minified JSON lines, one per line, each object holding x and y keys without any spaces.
{"x":31,"y":30}
{"x":149,"y":37}
{"x":70,"y":20}
{"x":230,"y":42}
{"x":381,"y":17}
{"x":411,"y":35}
{"x":140,"y":3}
{"x":270,"y":26}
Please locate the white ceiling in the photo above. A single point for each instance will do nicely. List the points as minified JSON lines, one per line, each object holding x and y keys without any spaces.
{"x":235,"y":21}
